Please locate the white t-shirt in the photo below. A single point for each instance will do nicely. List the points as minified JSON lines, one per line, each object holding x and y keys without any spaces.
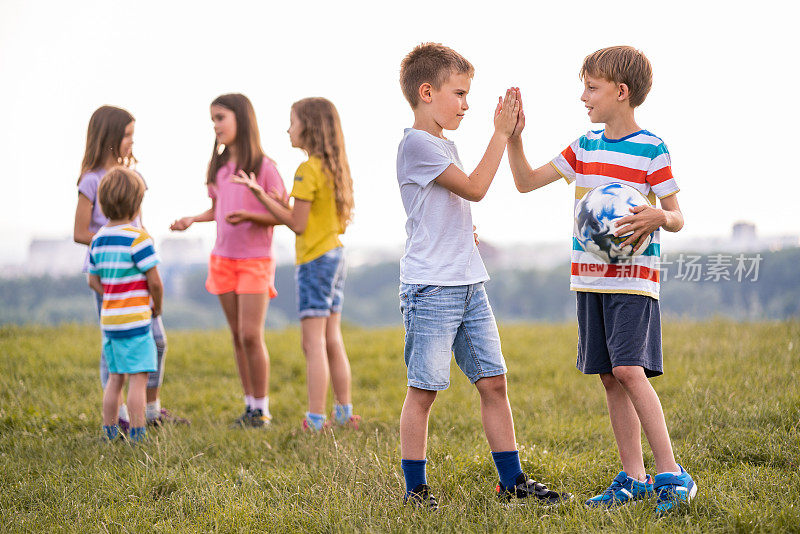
{"x":440,"y":248}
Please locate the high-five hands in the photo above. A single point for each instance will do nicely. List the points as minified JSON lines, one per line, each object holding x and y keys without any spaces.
{"x":506,"y":113}
{"x":520,"y":116}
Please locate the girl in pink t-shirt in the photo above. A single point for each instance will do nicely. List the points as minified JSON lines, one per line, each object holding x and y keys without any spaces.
{"x":241,"y":270}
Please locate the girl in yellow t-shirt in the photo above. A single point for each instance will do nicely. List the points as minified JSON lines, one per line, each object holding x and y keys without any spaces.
{"x":323,"y":206}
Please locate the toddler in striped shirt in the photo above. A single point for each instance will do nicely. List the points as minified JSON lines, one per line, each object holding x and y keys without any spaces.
{"x":122,"y":267}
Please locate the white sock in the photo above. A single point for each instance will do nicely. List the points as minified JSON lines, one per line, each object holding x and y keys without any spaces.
{"x":262,"y":404}
{"x":123,"y":412}
{"x":249,"y":400}
{"x":152,"y":410}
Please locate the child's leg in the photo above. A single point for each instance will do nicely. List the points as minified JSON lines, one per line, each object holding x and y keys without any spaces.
{"x":111,"y":397}
{"x":252,"y":312}
{"x":625,"y":424}
{"x":136,"y":399}
{"x":230,"y":306}
{"x":155,"y":379}
{"x":317,"y":371}
{"x":414,"y":423}
{"x":414,"y":436}
{"x":498,"y":423}
{"x":648,"y":409}
{"x":337,"y":359}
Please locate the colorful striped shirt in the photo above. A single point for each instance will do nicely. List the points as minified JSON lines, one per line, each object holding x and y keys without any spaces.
{"x":120,"y":256}
{"x":640,"y":160}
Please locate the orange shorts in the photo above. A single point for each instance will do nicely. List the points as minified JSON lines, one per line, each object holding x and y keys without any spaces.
{"x":248,"y":275}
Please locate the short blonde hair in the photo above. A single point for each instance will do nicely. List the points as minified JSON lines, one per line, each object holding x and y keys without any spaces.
{"x":621,"y":64}
{"x":431,"y":63}
{"x":121,"y":192}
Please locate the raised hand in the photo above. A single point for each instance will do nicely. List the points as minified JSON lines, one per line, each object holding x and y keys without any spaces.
{"x":248,"y":180}
{"x":520,"y":117}
{"x":506,"y":120}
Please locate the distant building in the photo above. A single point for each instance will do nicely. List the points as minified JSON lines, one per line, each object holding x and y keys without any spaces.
{"x":744,"y":231}
{"x":55,"y":257}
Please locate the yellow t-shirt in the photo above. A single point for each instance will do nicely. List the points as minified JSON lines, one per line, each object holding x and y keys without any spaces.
{"x":323,"y":228}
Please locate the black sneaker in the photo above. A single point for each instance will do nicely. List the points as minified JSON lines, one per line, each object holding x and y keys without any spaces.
{"x":527,"y":488}
{"x":422,"y":498}
{"x":243,"y":420}
{"x":258,"y":419}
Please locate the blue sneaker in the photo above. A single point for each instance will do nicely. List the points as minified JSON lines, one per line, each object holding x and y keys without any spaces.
{"x":623,"y":489}
{"x":673,"y":491}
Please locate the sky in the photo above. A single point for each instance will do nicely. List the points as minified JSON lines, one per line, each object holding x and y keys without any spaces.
{"x":725,"y":78}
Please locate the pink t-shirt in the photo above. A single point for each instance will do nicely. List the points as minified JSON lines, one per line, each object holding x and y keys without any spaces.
{"x":246,"y":239}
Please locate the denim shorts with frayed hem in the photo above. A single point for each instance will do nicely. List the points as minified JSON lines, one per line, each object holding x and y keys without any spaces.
{"x":320,"y":284}
{"x":445,"y":320}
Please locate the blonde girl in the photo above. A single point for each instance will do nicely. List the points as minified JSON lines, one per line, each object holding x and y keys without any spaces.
{"x":241,"y":269}
{"x":109,"y":142}
{"x":322,"y":209}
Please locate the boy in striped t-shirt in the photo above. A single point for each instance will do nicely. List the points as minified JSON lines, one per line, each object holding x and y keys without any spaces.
{"x":619,"y":321}
{"x":122,"y":267}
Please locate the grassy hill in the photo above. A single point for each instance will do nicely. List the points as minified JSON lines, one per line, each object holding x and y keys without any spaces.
{"x":730,"y":394}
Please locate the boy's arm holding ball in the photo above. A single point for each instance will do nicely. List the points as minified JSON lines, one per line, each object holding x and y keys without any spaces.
{"x":525,"y":178}
{"x":647,"y":219}
{"x":156,"y":288}
{"x":475,"y":186}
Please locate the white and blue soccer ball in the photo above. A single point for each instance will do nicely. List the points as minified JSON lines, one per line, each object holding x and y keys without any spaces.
{"x":595,"y":222}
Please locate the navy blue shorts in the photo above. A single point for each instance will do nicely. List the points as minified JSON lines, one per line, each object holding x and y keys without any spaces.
{"x":618,"y":329}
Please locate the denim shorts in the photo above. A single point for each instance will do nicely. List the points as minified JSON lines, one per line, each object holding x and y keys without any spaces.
{"x":320,"y":284}
{"x":618,"y":329}
{"x":440,"y":320}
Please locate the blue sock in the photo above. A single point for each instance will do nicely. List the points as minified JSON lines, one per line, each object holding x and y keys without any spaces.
{"x":137,"y":434}
{"x":315,"y":420}
{"x":343,"y":412}
{"x":112,"y":431}
{"x":508,"y":467}
{"x":414,"y":471}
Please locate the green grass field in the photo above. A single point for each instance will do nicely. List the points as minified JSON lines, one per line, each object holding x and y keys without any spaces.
{"x":730,"y":394}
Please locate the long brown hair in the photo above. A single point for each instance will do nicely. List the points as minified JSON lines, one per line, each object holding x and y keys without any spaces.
{"x":249,"y":153}
{"x":103,"y":138}
{"x":322,"y":137}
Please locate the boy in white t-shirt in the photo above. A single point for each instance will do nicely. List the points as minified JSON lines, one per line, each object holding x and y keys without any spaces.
{"x":445,"y":307}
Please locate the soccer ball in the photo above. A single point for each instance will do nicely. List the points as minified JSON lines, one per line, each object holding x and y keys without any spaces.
{"x":595,"y":222}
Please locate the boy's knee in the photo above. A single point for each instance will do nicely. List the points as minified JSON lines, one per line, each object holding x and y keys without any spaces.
{"x":628,"y":374}
{"x":492,"y":387}
{"x":609,"y":380}
{"x":421,"y":398}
